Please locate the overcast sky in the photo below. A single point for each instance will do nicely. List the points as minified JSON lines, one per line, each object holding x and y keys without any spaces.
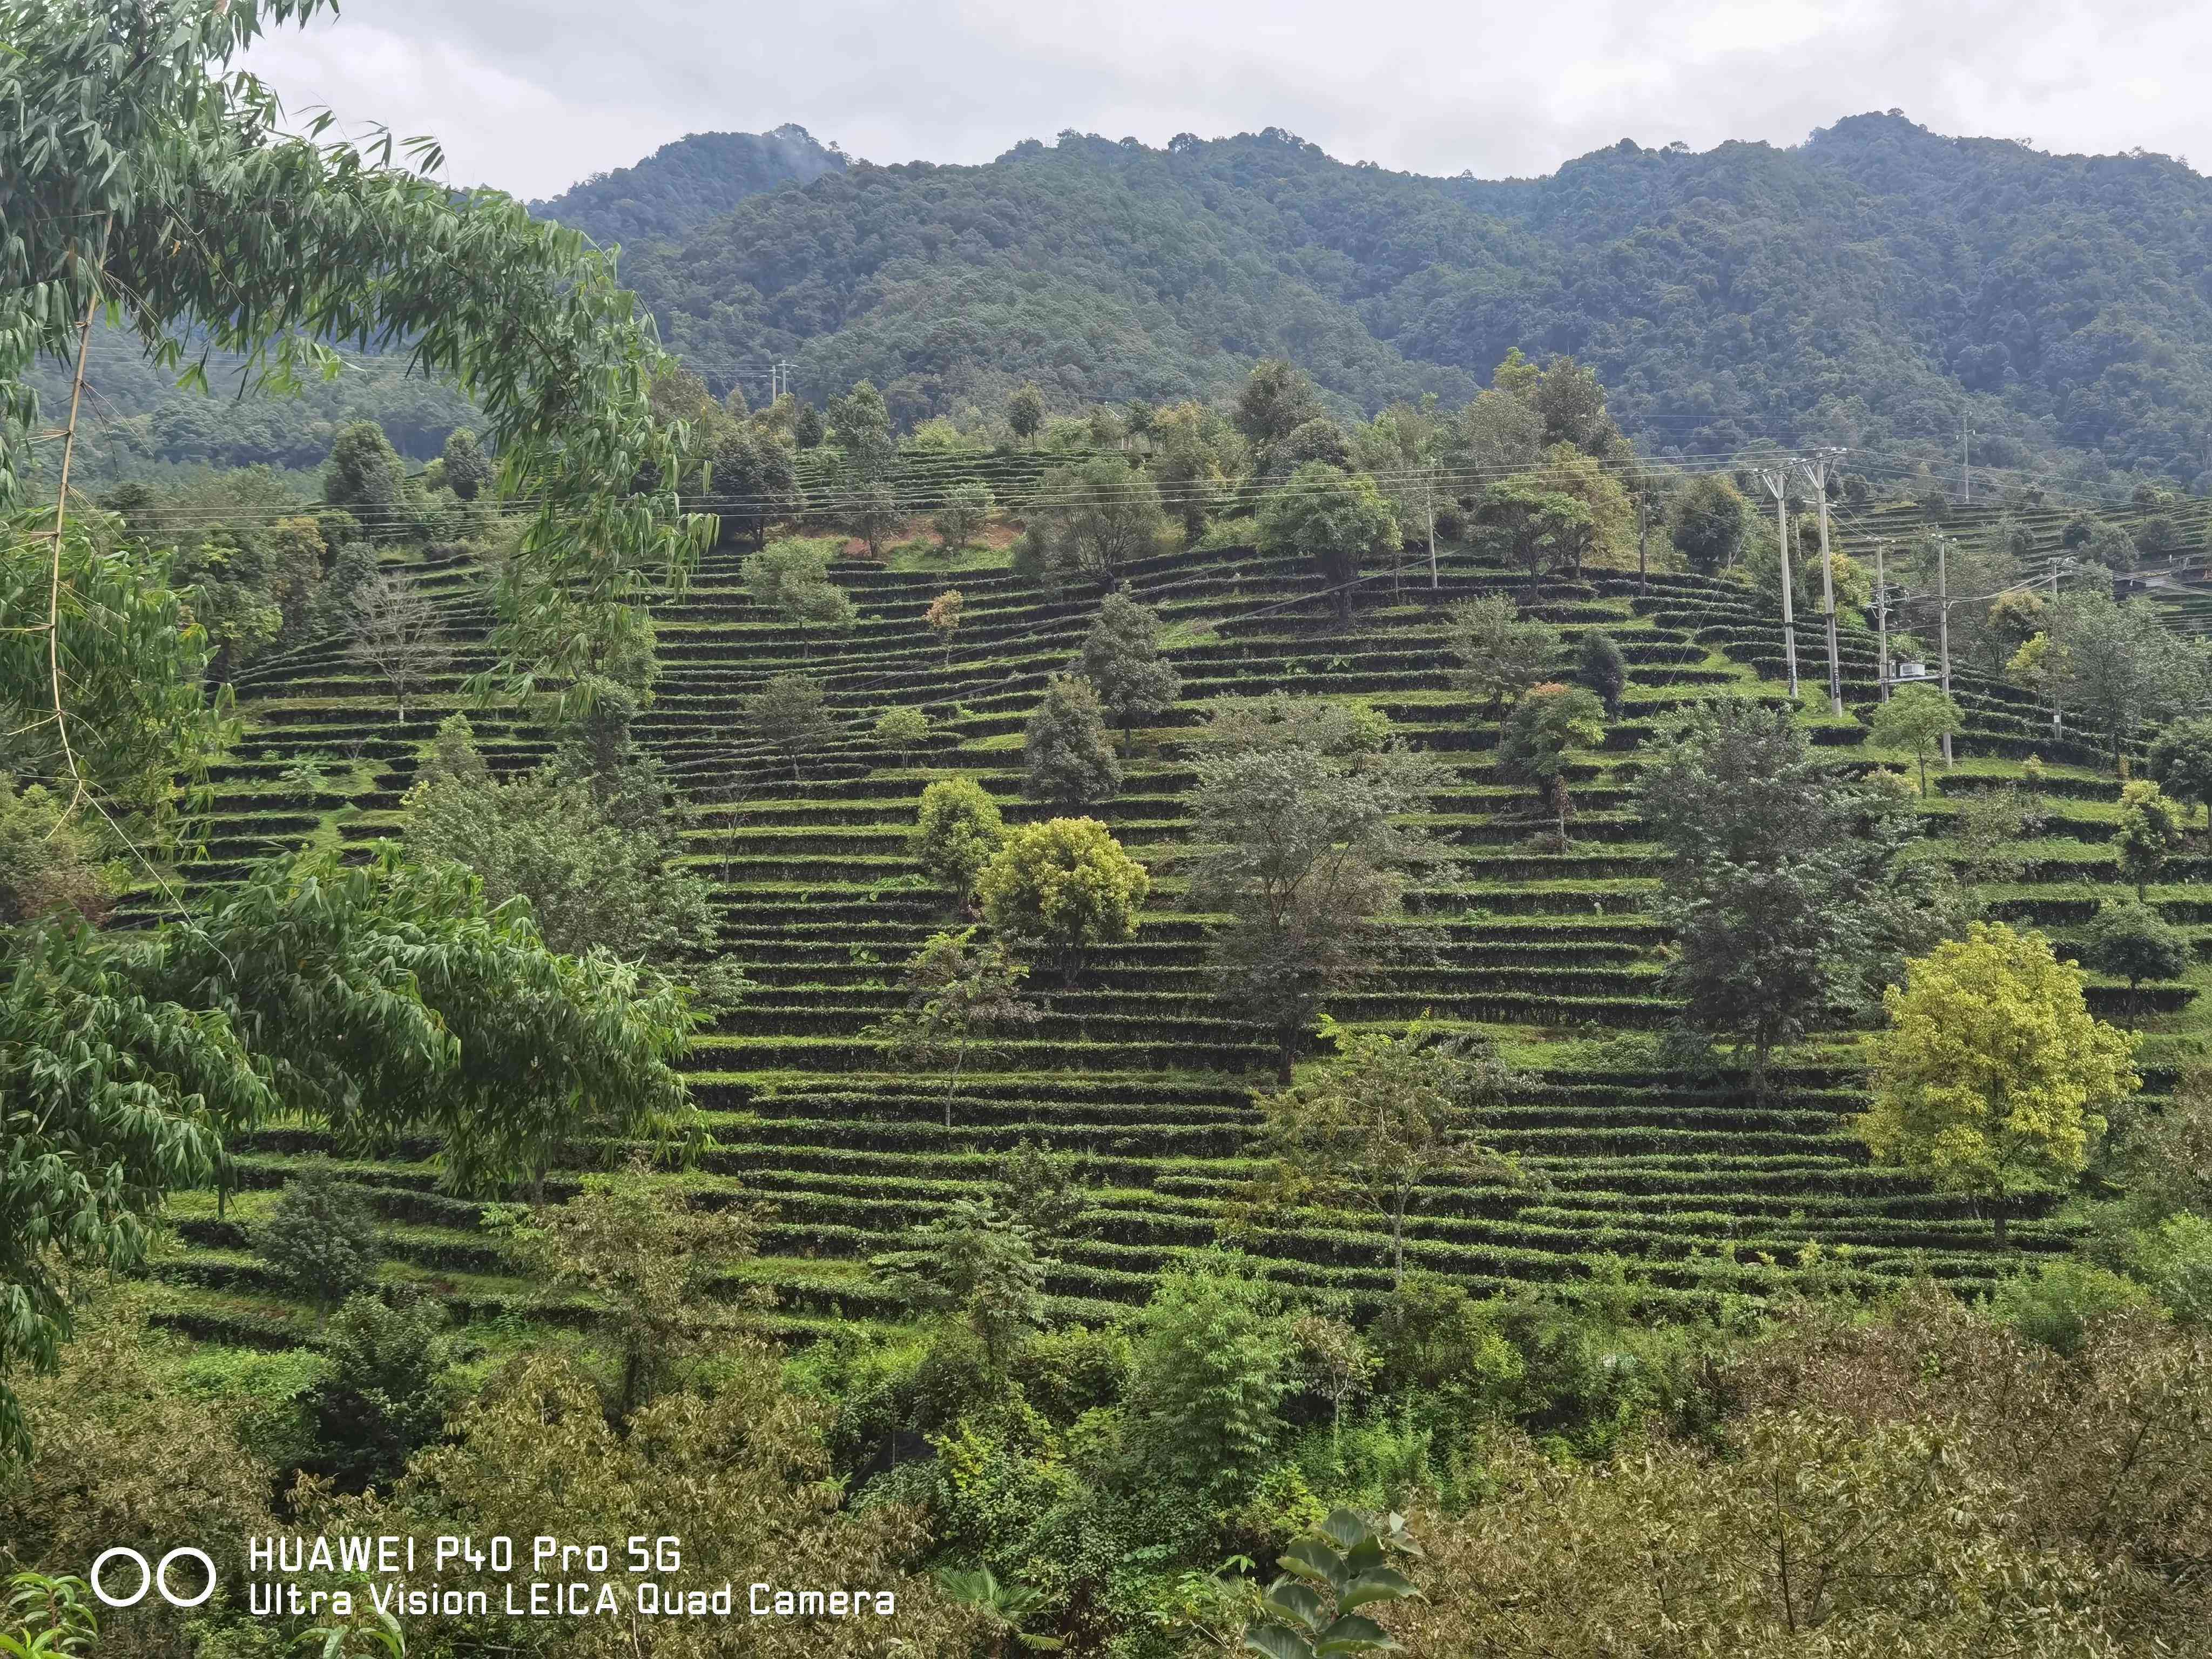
{"x":531,"y":94}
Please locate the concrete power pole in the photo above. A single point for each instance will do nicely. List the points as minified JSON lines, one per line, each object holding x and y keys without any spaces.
{"x":1966,"y":469}
{"x":1429,"y":493}
{"x":1776,"y":479}
{"x":1643,"y":537}
{"x":1943,"y":610}
{"x":1881,"y":615}
{"x":1816,"y":473}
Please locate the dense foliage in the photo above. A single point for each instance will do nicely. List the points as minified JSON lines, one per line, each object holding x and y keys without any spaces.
{"x":1942,"y":274}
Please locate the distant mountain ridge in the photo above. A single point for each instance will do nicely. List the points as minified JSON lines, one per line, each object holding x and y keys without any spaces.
{"x":1871,"y":287}
{"x":684,"y":184}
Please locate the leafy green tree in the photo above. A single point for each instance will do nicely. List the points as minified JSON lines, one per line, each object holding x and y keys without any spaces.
{"x":2135,"y":943}
{"x":1317,"y":440}
{"x":956,"y":833}
{"x":792,"y":578}
{"x":389,"y":998}
{"x":1025,"y":412}
{"x":1277,"y":399}
{"x":2181,"y":762}
{"x":755,"y":480}
{"x":958,"y":993}
{"x":468,"y":468}
{"x":129,"y":119}
{"x":114,"y":1099}
{"x":1549,"y":724}
{"x":966,"y":510}
{"x":1211,"y":1372}
{"x":2148,"y":830}
{"x":1121,"y":658}
{"x":1066,"y":885}
{"x":1067,"y":758}
{"x":385,"y":1392}
{"x":595,"y":874}
{"x":366,"y":477}
{"x":2125,"y":665}
{"x":1329,"y":1574}
{"x":139,"y":718}
{"x":1094,"y":521}
{"x":1993,"y":1077}
{"x":320,"y":1239}
{"x":1784,"y":888}
{"x":1338,"y":521}
{"x":902,"y":730}
{"x":1306,"y":806}
{"x":1915,"y":721}
{"x":1500,"y":655}
{"x":1541,"y":529}
{"x":978,"y":1261}
{"x":807,"y":429}
{"x":1708,"y":522}
{"x":652,"y":1263}
{"x":1381,"y":1124}
{"x":1196,"y":452}
{"x":1600,"y":666}
{"x":398,"y":634}
{"x":791,"y":716}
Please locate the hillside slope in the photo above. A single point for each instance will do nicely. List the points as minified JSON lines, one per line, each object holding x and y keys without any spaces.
{"x":1697,"y":1185}
{"x":1867,"y":287}
{"x":700,"y":176}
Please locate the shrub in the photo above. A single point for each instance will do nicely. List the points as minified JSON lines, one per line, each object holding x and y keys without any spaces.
{"x":321,"y":1239}
{"x":2054,"y":1303}
{"x":384,"y":1394}
{"x":1207,"y":1379}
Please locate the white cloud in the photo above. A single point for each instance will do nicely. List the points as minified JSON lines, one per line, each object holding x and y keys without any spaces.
{"x":531,"y":96}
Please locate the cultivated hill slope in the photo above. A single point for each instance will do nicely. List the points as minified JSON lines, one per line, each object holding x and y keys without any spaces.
{"x":1136,"y":1065}
{"x":1867,"y":287}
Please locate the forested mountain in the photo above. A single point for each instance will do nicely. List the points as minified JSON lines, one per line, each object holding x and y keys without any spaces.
{"x":1870,"y":287}
{"x":699,"y":177}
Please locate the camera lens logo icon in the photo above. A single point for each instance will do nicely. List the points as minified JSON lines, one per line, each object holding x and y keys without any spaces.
{"x":151,"y":1577}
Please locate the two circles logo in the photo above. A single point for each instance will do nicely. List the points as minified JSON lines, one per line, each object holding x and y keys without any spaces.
{"x":150,"y":1577}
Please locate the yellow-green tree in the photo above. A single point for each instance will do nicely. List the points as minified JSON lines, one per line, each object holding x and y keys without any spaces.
{"x":1993,"y":1077}
{"x":1065,"y":886}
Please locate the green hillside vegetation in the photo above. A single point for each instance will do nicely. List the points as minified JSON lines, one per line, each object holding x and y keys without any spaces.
{"x":682,"y":186}
{"x":1869,"y":287}
{"x":1026,"y":1027}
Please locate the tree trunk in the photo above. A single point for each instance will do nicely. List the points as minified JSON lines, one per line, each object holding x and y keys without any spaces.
{"x":1398,"y":1243}
{"x":1286,"y":1055}
{"x":1998,"y":1222}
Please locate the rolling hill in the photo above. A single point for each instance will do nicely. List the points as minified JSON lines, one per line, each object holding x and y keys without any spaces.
{"x":1872,"y":287}
{"x":1696,"y":1183}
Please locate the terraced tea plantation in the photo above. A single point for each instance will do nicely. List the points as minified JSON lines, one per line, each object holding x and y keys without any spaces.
{"x":1696,"y":1186}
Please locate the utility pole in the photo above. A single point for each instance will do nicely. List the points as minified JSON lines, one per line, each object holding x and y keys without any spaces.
{"x":1642,"y":536}
{"x":1881,"y":614}
{"x":1776,"y":479}
{"x":1966,"y":469}
{"x":1943,"y":609}
{"x":1429,"y":491}
{"x":1815,"y":471}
